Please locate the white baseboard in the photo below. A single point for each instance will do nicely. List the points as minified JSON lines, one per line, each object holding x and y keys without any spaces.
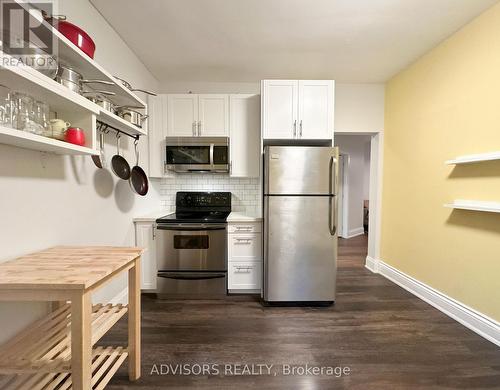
{"x":470,"y":318}
{"x":121,"y":297}
{"x":356,"y":232}
{"x":371,"y":264}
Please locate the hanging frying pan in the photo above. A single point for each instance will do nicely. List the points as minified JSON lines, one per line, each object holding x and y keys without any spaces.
{"x":119,"y":164}
{"x":138,"y":178}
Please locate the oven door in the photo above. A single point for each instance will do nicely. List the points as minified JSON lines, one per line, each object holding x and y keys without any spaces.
{"x":192,"y":261}
{"x":191,"y":247}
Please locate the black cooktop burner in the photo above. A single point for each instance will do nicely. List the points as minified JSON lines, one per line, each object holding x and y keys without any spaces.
{"x":200,"y":207}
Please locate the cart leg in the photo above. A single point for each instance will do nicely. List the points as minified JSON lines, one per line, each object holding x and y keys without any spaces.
{"x":134,"y":321}
{"x":81,"y":342}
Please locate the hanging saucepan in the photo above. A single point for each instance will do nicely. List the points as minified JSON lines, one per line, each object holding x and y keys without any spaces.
{"x":119,"y":164}
{"x":100,"y":160}
{"x":127,"y":85}
{"x":138,"y":178}
{"x":131,"y":115}
{"x":74,"y":80}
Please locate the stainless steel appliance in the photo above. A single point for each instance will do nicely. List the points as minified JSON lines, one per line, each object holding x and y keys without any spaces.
{"x":300,"y":228}
{"x":192,"y":246}
{"x":197,"y":154}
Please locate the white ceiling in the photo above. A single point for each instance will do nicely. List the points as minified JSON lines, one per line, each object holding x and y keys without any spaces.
{"x":250,"y":40}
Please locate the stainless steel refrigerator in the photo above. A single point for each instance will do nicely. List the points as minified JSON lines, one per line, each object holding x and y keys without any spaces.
{"x":300,"y":224}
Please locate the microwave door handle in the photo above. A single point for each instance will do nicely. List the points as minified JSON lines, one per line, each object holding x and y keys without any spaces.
{"x":212,"y":155}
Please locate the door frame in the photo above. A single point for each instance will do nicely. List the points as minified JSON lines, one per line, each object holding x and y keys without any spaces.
{"x":376,"y":170}
{"x":344,"y":178}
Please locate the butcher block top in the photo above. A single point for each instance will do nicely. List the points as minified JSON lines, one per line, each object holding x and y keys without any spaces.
{"x":65,"y":267}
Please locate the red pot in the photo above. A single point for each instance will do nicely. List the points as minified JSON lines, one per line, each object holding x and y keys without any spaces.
{"x":75,"y":135}
{"x":77,"y":36}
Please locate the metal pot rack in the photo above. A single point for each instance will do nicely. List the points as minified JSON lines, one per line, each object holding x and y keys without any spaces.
{"x":105,"y":128}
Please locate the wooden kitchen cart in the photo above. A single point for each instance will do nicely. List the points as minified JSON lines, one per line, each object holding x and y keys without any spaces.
{"x":56,"y":352}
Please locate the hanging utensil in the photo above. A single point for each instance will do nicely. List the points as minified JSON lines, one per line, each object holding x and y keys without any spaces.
{"x":100,"y":160}
{"x":127,"y":85}
{"x":138,"y":178}
{"x":119,"y":164}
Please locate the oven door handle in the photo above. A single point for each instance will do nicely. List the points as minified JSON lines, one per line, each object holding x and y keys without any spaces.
{"x":191,"y":227}
{"x":199,"y":276}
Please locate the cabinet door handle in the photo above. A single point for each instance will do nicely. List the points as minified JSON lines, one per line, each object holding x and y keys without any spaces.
{"x":194,"y":127}
{"x":300,"y":127}
{"x":199,"y":128}
{"x":295,"y":128}
{"x":154,"y":233}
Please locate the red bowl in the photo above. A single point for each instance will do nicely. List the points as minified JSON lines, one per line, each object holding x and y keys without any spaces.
{"x":75,"y":135}
{"x":77,"y":36}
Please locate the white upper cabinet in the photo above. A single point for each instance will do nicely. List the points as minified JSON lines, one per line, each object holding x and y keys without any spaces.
{"x":279,"y":108}
{"x":245,"y":135}
{"x":157,"y":132}
{"x":182,"y":115}
{"x":316,"y":108}
{"x":298,"y":109}
{"x":192,"y":115}
{"x":213,"y":118}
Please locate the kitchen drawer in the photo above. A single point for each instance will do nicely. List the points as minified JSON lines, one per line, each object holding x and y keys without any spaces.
{"x":247,"y":227}
{"x":244,"y":276}
{"x":245,"y":247}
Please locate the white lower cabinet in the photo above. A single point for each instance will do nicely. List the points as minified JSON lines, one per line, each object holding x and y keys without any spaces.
{"x":145,"y":237}
{"x":244,"y":257}
{"x":244,"y":276}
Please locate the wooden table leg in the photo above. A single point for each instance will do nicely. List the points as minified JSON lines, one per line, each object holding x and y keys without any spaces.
{"x":134,"y":321}
{"x":81,"y":341}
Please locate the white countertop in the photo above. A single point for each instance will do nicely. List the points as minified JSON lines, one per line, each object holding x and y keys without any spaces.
{"x":153,"y":216}
{"x":243,"y":217}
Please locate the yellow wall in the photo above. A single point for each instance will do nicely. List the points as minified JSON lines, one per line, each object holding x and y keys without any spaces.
{"x":444,"y":105}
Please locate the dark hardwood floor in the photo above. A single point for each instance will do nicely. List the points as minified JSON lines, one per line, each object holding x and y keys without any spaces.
{"x":388,"y":338}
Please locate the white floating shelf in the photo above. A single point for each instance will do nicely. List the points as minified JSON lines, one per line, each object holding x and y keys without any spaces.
{"x":120,"y":123}
{"x":475,"y":205}
{"x":30,"y":81}
{"x":71,"y":55}
{"x":474,"y":158}
{"x":40,"y":143}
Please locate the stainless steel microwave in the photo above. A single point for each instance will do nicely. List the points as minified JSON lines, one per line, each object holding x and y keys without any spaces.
{"x":197,"y":154}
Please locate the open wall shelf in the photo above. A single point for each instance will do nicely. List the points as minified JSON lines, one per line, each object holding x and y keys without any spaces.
{"x":474,"y":205}
{"x":474,"y":158}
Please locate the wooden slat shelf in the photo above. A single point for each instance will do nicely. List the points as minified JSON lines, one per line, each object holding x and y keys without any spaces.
{"x":45,"y":346}
{"x":105,"y":363}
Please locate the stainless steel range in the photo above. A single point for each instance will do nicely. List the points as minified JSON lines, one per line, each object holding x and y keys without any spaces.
{"x":192,"y":246}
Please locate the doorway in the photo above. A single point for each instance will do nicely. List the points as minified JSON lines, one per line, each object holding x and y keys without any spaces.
{"x":354,"y":184}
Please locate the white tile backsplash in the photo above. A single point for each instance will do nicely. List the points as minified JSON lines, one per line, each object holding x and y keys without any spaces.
{"x":245,"y":191}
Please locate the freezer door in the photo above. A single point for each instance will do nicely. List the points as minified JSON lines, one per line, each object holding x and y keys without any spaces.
{"x":300,"y":248}
{"x":297,"y":170}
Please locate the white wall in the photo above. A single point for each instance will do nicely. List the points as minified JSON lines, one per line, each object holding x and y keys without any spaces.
{"x":49,"y":200}
{"x":357,"y":176}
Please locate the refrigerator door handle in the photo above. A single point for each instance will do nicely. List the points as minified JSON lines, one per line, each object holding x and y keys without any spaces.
{"x":333,"y":186}
{"x":332,"y":226}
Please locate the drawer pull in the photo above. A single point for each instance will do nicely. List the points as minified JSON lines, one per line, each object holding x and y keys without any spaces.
{"x":244,"y":228}
{"x":245,"y":269}
{"x":243,"y":240}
